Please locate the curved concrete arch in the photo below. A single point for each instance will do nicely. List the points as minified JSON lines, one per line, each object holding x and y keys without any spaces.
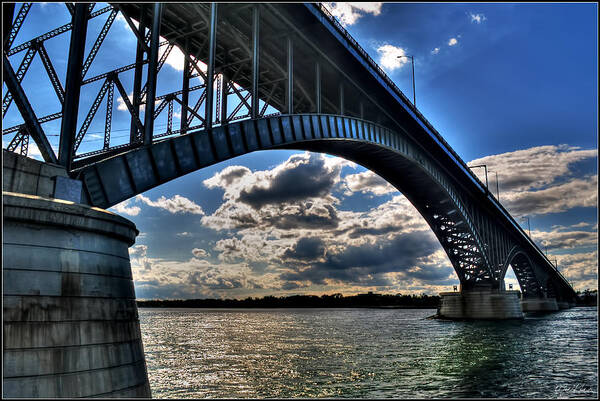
{"x":389,"y":154}
{"x":524,"y":270}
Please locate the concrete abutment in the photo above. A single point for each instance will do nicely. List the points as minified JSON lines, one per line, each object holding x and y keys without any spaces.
{"x":70,"y":321}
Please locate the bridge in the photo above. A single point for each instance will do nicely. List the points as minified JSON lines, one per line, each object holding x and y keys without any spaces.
{"x":274,"y":76}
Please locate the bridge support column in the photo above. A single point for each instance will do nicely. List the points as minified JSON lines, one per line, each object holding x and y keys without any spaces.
{"x":70,"y":321}
{"x":480,"y":304}
{"x":539,"y":305}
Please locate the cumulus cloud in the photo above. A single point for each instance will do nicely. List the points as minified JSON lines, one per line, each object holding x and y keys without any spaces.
{"x":199,"y":253}
{"x":534,"y":167}
{"x":579,"y":268}
{"x":561,"y":239}
{"x":125,"y":208}
{"x":556,"y":199}
{"x":308,"y":248}
{"x":540,"y":180}
{"x":349,"y":13}
{"x":121,"y":103}
{"x":452,"y":42}
{"x":176,"y":204}
{"x":368,"y":181}
{"x":301,"y":177}
{"x":477,"y":18}
{"x":390,"y":57}
{"x":435,"y":51}
{"x":361,"y":263}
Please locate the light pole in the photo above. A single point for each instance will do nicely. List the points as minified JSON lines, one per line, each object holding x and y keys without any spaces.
{"x":412,"y":61}
{"x":528,"y":225}
{"x":497,"y":187}
{"x":486,"y":177}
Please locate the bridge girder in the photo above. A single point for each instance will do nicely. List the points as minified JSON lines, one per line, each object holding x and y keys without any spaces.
{"x":389,"y":154}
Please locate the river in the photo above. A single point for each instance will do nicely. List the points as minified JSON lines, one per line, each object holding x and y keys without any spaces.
{"x":367,"y":353}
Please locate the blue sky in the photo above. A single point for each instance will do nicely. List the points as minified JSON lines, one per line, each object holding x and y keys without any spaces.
{"x":513,"y":86}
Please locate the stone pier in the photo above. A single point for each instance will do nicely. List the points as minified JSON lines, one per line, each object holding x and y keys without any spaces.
{"x":539,"y":305}
{"x":70,"y":321}
{"x":482,"y":304}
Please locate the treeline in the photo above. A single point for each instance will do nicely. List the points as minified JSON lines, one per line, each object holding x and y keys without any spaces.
{"x":369,"y":300}
{"x":587,"y":298}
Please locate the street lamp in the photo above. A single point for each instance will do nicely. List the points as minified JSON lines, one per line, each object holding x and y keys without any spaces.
{"x":528,"y":225}
{"x":412,"y":61}
{"x":486,"y":178}
{"x":497,"y":187}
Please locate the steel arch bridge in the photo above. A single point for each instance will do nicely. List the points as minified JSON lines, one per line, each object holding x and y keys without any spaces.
{"x":276,"y":76}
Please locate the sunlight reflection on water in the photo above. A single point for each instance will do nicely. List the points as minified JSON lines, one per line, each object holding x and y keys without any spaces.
{"x":370,"y":353}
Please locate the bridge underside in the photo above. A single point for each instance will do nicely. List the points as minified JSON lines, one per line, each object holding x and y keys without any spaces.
{"x":391,"y":155}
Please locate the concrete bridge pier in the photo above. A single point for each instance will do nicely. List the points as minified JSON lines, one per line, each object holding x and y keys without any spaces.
{"x":539,"y":305}
{"x":563,"y":304}
{"x":70,"y":321}
{"x":480,"y":304}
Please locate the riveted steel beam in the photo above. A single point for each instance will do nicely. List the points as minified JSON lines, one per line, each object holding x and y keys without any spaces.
{"x":255,"y":60}
{"x":152,"y":72}
{"x":31,"y":122}
{"x":10,"y":26}
{"x":210,"y":73}
{"x":73,"y":86}
{"x":185,"y":90}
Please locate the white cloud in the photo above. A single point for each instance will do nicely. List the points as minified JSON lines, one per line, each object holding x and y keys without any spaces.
{"x":435,"y":51}
{"x":349,"y":13}
{"x":539,"y":180}
{"x":124,"y":208}
{"x":534,"y":167}
{"x":176,"y":204}
{"x":175,"y":59}
{"x":389,"y":57}
{"x":555,"y":199}
{"x":199,"y":253}
{"x":124,"y":21}
{"x":452,"y":42}
{"x":121,"y":103}
{"x":368,"y":181}
{"x":477,"y":18}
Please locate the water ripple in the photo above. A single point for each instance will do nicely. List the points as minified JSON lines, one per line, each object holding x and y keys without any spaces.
{"x":367,"y":353}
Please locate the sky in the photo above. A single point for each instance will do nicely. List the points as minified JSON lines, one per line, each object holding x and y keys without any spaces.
{"x":512,"y":86}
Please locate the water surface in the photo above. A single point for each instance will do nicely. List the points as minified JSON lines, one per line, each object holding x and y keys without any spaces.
{"x":367,"y":353}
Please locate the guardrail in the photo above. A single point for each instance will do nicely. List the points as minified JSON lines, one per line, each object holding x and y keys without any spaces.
{"x":391,"y":83}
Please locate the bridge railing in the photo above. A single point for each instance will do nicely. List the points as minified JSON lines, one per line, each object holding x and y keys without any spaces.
{"x":391,"y":83}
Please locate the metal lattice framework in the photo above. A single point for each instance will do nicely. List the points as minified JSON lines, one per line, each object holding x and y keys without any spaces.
{"x":272,"y":76}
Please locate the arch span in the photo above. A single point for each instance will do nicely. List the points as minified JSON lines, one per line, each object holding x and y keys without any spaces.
{"x":392,"y":155}
{"x":525,"y":271}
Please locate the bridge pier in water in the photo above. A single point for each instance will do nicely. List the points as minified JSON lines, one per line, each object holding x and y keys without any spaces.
{"x":480,"y":303}
{"x":70,"y":325}
{"x":539,"y":305}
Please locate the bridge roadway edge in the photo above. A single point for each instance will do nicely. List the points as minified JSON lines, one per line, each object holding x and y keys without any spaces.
{"x":70,"y":320}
